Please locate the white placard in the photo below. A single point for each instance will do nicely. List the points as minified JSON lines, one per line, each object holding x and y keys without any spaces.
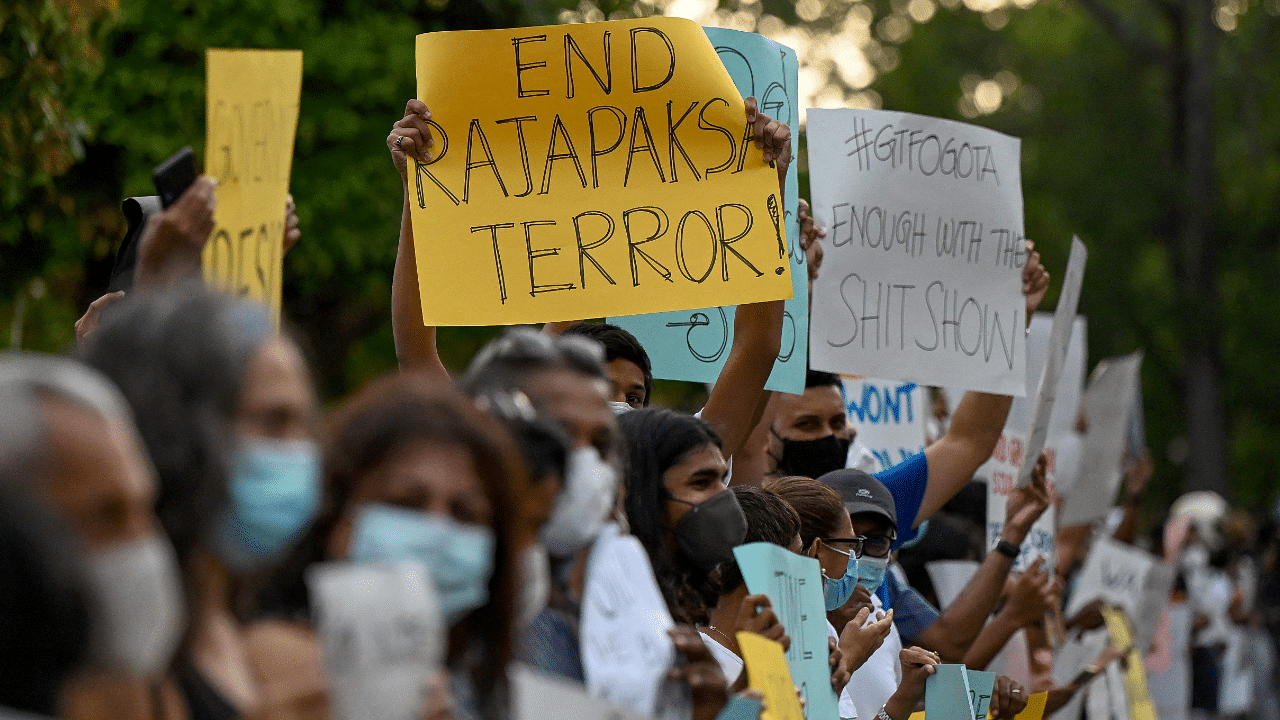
{"x":626,"y":651}
{"x":1107,"y":403}
{"x":889,"y":417}
{"x":1059,"y":339}
{"x":1002,"y":473}
{"x":382,"y":637}
{"x":1129,"y":578}
{"x":949,"y":577}
{"x":539,"y":696}
{"x":922,"y":271}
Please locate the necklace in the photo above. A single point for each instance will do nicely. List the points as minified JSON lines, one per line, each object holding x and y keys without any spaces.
{"x":729,"y":643}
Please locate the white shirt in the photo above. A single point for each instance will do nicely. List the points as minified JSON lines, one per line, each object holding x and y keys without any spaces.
{"x":730,"y":664}
{"x":874,"y":683}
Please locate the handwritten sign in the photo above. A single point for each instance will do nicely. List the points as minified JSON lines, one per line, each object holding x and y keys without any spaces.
{"x":539,"y":696}
{"x":793,"y":584}
{"x":251,"y":101}
{"x":981,"y":687}
{"x":946,"y":693}
{"x":1002,"y":472}
{"x":694,"y":344}
{"x":921,"y":279}
{"x":382,"y":637}
{"x":767,"y":672}
{"x":889,"y":417}
{"x":1107,"y":403}
{"x":589,"y":170}
{"x":1059,"y":343}
{"x":1129,"y":578}
{"x":626,"y":651}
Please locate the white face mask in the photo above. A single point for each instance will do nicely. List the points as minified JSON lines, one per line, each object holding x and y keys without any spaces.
{"x":139,"y":614}
{"x":535,"y":585}
{"x":583,"y":505}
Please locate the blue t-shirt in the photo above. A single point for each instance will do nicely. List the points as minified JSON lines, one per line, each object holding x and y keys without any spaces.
{"x":912,"y":614}
{"x":907,"y":481}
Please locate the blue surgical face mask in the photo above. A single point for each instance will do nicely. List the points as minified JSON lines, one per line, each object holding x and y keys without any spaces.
{"x":275,"y":492}
{"x":458,"y":555}
{"x":837,"y":591}
{"x":871,"y":572}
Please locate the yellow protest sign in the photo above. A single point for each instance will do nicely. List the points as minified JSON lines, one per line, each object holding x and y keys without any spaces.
{"x":1141,"y":706}
{"x":252,"y":116}
{"x":589,"y":170}
{"x":767,"y":672}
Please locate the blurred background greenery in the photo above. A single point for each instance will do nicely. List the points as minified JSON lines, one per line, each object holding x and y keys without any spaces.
{"x":1149,"y":127}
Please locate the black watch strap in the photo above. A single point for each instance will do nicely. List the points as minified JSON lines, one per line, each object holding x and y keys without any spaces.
{"x":1008,"y":549}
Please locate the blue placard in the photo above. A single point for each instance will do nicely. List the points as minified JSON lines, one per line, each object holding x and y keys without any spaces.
{"x":694,"y":344}
{"x":982,"y":685}
{"x":741,"y":708}
{"x":793,"y":584}
{"x":946,"y":694}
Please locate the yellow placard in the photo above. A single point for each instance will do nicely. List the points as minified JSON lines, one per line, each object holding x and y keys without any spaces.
{"x":767,"y":672}
{"x":589,"y":170}
{"x":1141,"y":706}
{"x":252,"y":115}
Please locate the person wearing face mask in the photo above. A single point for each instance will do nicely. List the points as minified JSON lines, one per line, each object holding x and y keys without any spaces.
{"x":44,"y":605}
{"x":688,"y":521}
{"x":414,"y":472}
{"x":225,"y":407}
{"x":69,"y":436}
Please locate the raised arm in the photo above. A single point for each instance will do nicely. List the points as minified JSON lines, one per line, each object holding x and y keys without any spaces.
{"x":978,"y":420}
{"x":416,"y":349}
{"x":952,"y":634}
{"x":735,"y":406}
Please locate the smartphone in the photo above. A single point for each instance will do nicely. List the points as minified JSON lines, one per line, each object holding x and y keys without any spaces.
{"x":174,"y":176}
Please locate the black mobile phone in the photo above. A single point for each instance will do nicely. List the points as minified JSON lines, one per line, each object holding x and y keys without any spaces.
{"x":174,"y":176}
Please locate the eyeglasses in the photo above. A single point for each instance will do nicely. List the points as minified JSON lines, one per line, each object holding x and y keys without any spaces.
{"x":846,"y":546}
{"x":878,"y":545}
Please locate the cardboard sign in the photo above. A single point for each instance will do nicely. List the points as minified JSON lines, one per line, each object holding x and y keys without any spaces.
{"x":946,"y":693}
{"x":536,"y":695}
{"x":694,"y":344}
{"x":1059,"y":343}
{"x":1002,"y":472}
{"x":767,"y":672}
{"x":589,"y":170}
{"x":626,"y":651}
{"x":1108,"y":402}
{"x":1129,"y":578}
{"x":793,"y":584}
{"x":382,"y":637}
{"x":981,"y":687}
{"x":251,"y":99}
{"x":922,"y":271}
{"x":949,"y":578}
{"x":889,"y":417}
{"x":741,"y":707}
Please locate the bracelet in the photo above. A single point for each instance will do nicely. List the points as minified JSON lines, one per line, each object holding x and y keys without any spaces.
{"x":883,"y":714}
{"x":1008,"y":549}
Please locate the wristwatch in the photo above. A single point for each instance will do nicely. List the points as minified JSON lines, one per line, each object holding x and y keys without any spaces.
{"x":1008,"y":549}
{"x":883,"y":714}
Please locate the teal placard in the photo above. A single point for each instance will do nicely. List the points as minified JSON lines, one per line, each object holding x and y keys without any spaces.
{"x":741,"y":708}
{"x":981,"y":686}
{"x":793,"y":584}
{"x":946,"y":694}
{"x":694,"y":344}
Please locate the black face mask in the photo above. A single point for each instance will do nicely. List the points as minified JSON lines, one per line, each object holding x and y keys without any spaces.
{"x":813,"y":458}
{"x":709,"y":532}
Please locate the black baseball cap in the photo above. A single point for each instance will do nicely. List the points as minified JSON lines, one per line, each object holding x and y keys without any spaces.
{"x":862,"y":493}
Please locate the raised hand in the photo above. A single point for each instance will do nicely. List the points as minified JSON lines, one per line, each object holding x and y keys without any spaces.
{"x":772,"y":137}
{"x":860,"y":639}
{"x":811,"y":235}
{"x":411,"y":137}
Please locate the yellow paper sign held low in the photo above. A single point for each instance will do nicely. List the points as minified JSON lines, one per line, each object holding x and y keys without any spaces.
{"x":588,"y":170}
{"x":1141,"y":707}
{"x":252,"y":101}
{"x":767,"y":672}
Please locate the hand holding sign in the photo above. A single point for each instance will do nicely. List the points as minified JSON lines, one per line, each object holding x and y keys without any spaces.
{"x":811,"y":235}
{"x":918,"y":666}
{"x":700,"y":672}
{"x":174,"y":241}
{"x":756,"y":615}
{"x":410,"y":137}
{"x":1027,"y":503}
